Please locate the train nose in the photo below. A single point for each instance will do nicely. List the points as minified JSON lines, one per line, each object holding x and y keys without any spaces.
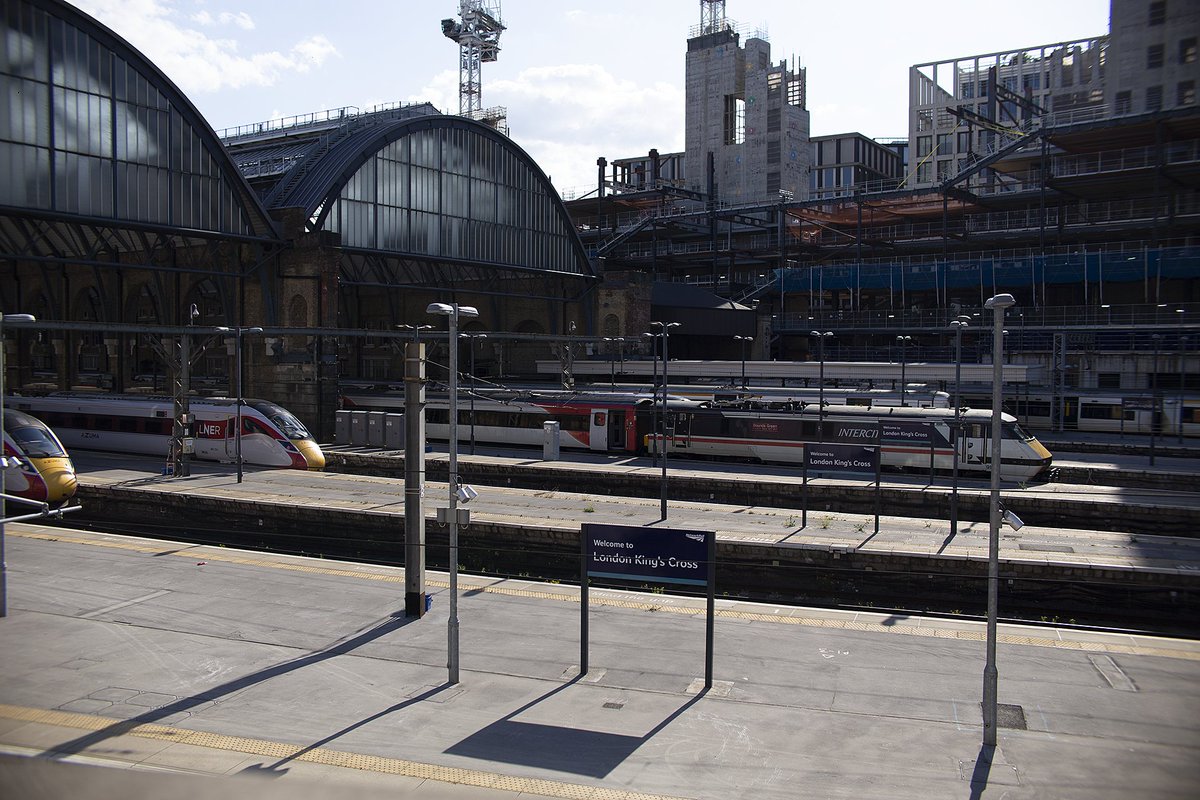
{"x":61,"y":483}
{"x":312,"y":453}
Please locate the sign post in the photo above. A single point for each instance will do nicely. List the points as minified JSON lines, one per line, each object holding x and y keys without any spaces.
{"x":848,"y":458}
{"x":658,"y":555}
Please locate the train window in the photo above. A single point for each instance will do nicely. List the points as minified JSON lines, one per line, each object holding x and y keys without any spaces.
{"x":127,"y":424}
{"x":1013,"y":430}
{"x":102,"y":423}
{"x":36,"y":443}
{"x":1033,"y":408}
{"x":1099,"y":411}
{"x":78,"y":421}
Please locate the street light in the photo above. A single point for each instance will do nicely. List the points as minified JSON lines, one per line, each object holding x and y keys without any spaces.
{"x":997,"y":304}
{"x":620,"y":340}
{"x":958,"y":324}
{"x":452,"y":312}
{"x":416,"y":329}
{"x":903,"y":340}
{"x":472,"y":337}
{"x":666,"y":336}
{"x":654,"y":337}
{"x":1155,"y":398}
{"x":237,"y":435}
{"x":821,"y":383}
{"x":1183,"y":342}
{"x":745,"y":340}
{"x":3,"y":461}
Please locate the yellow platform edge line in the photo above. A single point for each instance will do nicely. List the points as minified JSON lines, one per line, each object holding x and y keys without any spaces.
{"x":1191,"y":654}
{"x":323,"y":756}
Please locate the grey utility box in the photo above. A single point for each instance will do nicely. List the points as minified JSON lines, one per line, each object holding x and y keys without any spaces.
{"x":358,"y":428}
{"x":550,"y":445}
{"x":341,"y":427}
{"x":393,"y":432}
{"x":375,"y":422}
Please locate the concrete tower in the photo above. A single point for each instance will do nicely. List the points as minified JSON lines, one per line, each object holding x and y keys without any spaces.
{"x":748,"y":113}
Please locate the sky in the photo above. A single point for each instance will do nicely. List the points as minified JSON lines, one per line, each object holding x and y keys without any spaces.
{"x":580,"y":80}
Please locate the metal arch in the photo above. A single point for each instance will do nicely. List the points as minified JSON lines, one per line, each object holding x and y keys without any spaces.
{"x":317,"y":191}
{"x":260,"y":222}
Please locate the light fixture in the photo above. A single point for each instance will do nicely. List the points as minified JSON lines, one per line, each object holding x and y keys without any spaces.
{"x":466,"y":493}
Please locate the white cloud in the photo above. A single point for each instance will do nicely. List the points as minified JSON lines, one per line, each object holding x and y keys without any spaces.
{"x":241,"y":19}
{"x":569,"y":115}
{"x":193,"y":59}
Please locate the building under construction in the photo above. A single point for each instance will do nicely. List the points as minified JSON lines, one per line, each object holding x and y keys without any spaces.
{"x":1018,"y":178}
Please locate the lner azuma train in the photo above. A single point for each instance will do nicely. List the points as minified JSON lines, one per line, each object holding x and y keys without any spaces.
{"x":271,"y":435}
{"x":910,"y":438}
{"x":37,"y":465}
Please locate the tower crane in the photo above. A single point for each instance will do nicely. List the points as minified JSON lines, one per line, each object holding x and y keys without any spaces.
{"x":477,"y":32}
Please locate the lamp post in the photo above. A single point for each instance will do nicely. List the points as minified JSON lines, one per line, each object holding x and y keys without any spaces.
{"x":745,"y":340}
{"x":666,"y":336}
{"x":416,"y":329}
{"x":654,"y":337}
{"x":998,"y":304}
{"x":237,"y":435}
{"x":1183,"y":342}
{"x":821,"y":382}
{"x":472,"y":337}
{"x":903,"y":340}
{"x":1155,"y":399}
{"x":958,"y":324}
{"x":452,"y":312}
{"x":4,"y":459}
{"x":620,"y":340}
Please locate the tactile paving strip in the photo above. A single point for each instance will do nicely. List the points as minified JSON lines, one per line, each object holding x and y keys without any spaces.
{"x":366,"y":572}
{"x":334,"y":758}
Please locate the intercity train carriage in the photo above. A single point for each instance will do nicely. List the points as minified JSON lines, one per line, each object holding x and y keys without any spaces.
{"x":910,"y":438}
{"x":37,"y":466}
{"x":1101,"y":411}
{"x":271,"y":435}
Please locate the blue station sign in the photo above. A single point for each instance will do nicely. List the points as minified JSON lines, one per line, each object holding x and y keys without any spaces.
{"x":660,"y":555}
{"x":841,"y":458}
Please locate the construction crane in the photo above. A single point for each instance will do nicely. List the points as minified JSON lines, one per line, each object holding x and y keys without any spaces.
{"x":478,"y":36}
{"x":712,"y":16}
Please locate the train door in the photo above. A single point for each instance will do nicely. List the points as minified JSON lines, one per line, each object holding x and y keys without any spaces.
{"x":617,"y":439}
{"x":975,"y":446}
{"x":679,"y":430}
{"x":598,"y":434}
{"x":231,"y":438}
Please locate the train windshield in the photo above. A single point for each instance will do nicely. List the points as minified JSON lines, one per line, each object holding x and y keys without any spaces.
{"x":284,"y":420}
{"x":37,"y":443}
{"x":1013,"y":430}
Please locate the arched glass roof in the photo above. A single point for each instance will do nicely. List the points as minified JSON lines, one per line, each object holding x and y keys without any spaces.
{"x":436,"y":187}
{"x":93,"y":129}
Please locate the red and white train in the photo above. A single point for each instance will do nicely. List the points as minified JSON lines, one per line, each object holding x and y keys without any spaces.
{"x":910,"y":437}
{"x":271,"y":435}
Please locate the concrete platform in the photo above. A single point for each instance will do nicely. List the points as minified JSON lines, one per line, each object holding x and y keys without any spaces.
{"x":196,"y":669}
{"x":563,"y":510}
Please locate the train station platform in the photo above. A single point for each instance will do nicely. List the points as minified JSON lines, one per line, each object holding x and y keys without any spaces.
{"x":121,"y":479}
{"x":139,"y":668}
